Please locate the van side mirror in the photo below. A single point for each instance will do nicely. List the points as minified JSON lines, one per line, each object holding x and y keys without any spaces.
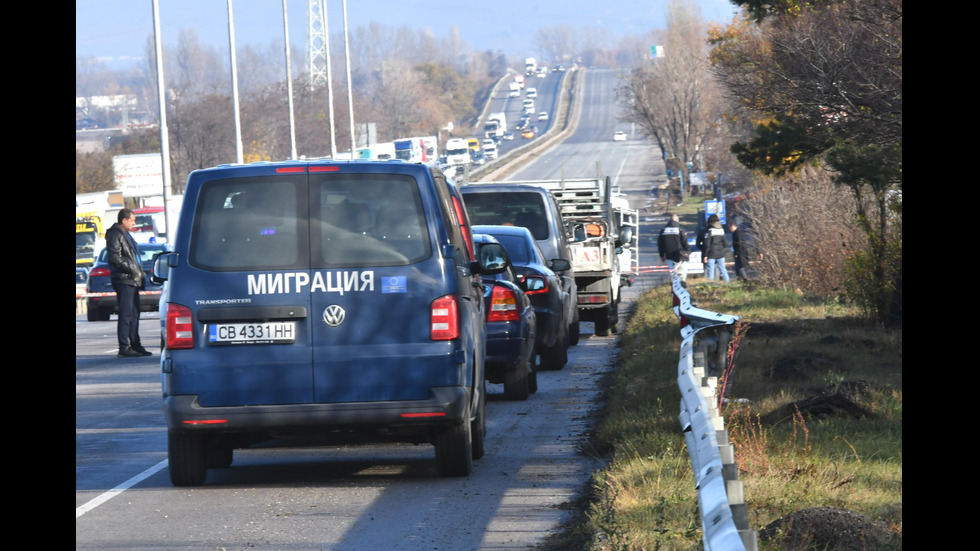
{"x":162,"y":263}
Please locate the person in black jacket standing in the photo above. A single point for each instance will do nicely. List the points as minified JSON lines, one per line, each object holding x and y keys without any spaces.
{"x":673,"y":247}
{"x":127,"y":280}
{"x":740,"y":249}
{"x":713,"y":245}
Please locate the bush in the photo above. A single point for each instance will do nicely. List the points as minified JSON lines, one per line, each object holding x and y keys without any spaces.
{"x":802,"y":225}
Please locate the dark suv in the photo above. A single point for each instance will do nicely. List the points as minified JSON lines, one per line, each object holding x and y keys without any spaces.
{"x":535,"y":208}
{"x":338,"y":300}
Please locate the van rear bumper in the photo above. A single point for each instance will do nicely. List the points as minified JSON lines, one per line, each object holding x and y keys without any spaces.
{"x":446,"y":406}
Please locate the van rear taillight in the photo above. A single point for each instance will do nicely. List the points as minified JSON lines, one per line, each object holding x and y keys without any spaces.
{"x":180,"y":327}
{"x":444,"y":319}
{"x":503,"y":305}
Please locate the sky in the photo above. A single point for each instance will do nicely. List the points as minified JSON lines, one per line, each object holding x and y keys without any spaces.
{"x":116,"y":31}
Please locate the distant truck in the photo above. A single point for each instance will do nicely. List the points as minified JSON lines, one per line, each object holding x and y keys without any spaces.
{"x":94,"y":212}
{"x":457,"y":151}
{"x":89,"y":237}
{"x":378,"y":151}
{"x":515,"y":89}
{"x":530,"y":66}
{"x":411,"y":150}
{"x":496,"y":125}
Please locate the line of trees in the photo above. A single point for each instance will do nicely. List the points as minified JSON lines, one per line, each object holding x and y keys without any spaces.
{"x":406,"y":82}
{"x":798,"y":94}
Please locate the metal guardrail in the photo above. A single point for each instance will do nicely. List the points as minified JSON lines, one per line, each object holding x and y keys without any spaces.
{"x":703,"y":356}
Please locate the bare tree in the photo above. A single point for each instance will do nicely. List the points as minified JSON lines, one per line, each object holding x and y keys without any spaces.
{"x":674,"y":99}
{"x":557,"y":43}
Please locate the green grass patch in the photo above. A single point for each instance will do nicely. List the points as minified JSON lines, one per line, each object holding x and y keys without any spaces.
{"x":818,"y":420}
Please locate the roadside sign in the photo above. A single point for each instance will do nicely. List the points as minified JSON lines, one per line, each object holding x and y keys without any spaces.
{"x":715,"y":207}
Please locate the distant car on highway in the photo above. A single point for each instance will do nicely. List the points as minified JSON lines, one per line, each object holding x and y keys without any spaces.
{"x":619,"y":136}
{"x":508,"y":135}
{"x":543,"y":116}
{"x":528,"y":134}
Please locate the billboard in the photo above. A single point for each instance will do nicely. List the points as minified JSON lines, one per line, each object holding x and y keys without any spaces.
{"x":138,"y":175}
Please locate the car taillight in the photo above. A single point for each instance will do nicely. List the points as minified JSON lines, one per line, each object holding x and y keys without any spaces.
{"x":444,"y":319}
{"x":535,"y":284}
{"x":100,"y":272}
{"x":180,"y":326}
{"x":503,"y":305}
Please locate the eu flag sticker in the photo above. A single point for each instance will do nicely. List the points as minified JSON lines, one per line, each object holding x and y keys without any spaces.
{"x":394,"y":284}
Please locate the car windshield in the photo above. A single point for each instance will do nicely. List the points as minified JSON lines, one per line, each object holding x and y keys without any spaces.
{"x":516,"y":247}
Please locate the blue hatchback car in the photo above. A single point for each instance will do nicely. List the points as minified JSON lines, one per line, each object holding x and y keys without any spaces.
{"x":511,"y":326}
{"x":323,"y":299}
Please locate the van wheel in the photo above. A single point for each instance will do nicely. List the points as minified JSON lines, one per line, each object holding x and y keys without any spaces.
{"x":220,"y":457}
{"x":187,"y":457}
{"x":454,"y":450}
{"x":516,"y":383}
{"x":479,"y":428}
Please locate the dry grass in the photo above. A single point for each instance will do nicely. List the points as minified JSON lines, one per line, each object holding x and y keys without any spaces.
{"x":818,"y":423}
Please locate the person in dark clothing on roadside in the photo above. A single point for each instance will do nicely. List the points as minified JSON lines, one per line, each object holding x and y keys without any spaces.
{"x":673,"y":247}
{"x":713,"y":245}
{"x":740,"y":249}
{"x":127,"y":280}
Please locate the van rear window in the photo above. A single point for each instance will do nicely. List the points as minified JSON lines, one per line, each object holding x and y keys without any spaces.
{"x":329,"y":221}
{"x":251,"y":224}
{"x":367,"y":220}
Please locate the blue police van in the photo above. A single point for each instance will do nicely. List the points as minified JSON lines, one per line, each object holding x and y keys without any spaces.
{"x":339,"y":300}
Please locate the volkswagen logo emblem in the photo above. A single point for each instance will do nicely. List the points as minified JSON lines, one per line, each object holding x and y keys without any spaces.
{"x":334,"y":315}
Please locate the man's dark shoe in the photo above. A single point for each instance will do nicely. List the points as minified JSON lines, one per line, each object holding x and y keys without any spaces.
{"x":128,"y":353}
{"x":141,"y":351}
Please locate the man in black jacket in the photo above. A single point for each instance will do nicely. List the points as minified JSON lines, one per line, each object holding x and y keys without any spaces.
{"x":127,"y":280}
{"x":740,"y":249}
{"x":673,"y":247}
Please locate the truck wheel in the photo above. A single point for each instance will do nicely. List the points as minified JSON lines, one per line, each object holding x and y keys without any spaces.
{"x":187,"y":457}
{"x":516,"y":383}
{"x":602,"y":324}
{"x":454,"y":449}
